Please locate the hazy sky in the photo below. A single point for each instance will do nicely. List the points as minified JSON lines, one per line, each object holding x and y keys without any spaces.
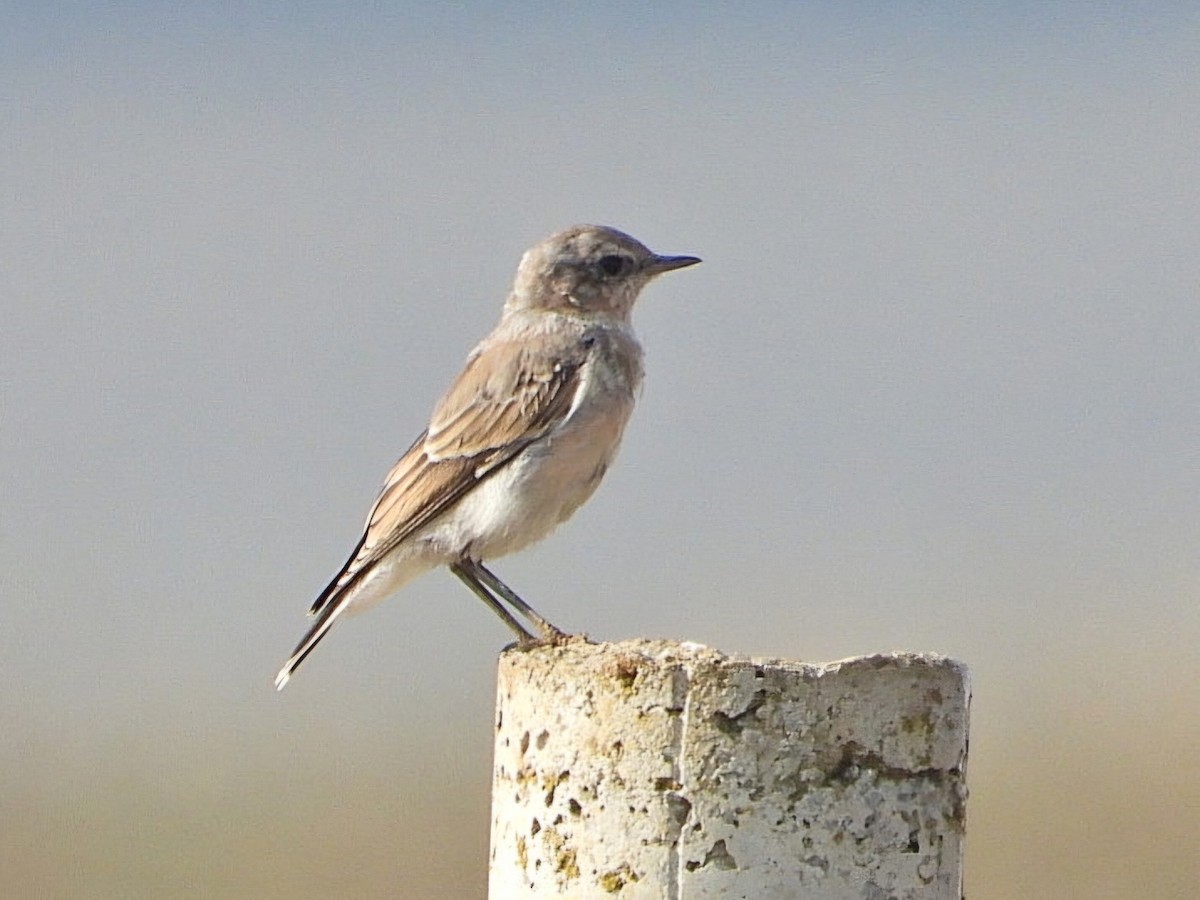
{"x":934,"y":387}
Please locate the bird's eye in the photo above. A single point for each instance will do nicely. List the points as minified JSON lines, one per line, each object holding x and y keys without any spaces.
{"x":615,"y":265}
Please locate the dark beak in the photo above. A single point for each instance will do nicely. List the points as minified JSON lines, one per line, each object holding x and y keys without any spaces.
{"x":658,"y":264}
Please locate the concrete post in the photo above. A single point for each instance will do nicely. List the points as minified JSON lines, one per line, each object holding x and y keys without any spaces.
{"x":653,"y":769}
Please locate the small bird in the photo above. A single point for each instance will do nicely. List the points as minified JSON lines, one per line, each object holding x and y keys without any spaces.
{"x":519,"y":441}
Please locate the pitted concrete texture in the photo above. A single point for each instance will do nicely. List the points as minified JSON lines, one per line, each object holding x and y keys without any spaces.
{"x":654,"y":769}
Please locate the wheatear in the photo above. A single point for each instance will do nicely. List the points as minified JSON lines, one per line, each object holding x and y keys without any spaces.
{"x":521,"y":439}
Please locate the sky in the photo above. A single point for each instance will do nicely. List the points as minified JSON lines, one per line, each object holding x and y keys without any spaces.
{"x":934,"y":388}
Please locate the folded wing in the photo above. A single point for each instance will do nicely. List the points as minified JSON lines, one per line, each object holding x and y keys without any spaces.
{"x":508,"y":396}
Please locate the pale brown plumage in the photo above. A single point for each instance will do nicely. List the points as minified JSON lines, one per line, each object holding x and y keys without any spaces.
{"x":520,"y":440}
{"x":504,"y":399}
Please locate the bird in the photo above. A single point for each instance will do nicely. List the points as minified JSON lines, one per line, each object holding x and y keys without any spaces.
{"x":520,"y":440}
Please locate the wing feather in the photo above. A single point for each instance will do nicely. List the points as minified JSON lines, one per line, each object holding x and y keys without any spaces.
{"x":508,"y":396}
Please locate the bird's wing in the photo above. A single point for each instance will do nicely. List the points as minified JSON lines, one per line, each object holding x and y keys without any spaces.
{"x":508,"y":396}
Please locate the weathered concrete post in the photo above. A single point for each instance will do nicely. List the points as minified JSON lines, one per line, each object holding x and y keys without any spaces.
{"x":652,"y":769}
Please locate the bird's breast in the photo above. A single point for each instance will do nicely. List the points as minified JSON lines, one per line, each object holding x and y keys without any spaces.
{"x":548,"y":480}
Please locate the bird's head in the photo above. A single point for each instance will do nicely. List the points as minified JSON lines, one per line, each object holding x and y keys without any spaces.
{"x":588,"y":270}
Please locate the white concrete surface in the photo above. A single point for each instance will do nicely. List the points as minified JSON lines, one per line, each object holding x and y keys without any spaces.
{"x":652,"y":769}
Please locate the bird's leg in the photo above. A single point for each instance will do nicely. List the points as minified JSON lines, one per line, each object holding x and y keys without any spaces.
{"x":470,"y":579}
{"x":549,"y":632}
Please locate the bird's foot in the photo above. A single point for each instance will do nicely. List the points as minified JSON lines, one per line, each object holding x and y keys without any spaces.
{"x":549,"y":637}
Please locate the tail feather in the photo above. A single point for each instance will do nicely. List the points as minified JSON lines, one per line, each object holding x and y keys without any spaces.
{"x":361,"y":582}
{"x":325,"y":619}
{"x":355,"y":564}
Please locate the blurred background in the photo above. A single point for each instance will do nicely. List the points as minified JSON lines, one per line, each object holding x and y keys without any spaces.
{"x":934,"y":388}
